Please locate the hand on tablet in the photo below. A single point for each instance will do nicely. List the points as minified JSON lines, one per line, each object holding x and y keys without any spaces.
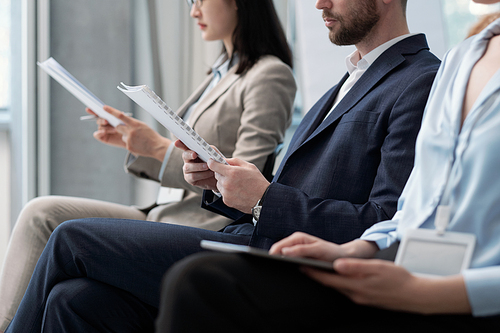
{"x":381,"y":283}
{"x":300,"y":244}
{"x":373,"y":282}
{"x":370,"y":282}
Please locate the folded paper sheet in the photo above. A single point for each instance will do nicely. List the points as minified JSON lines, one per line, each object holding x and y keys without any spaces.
{"x":68,"y":81}
{"x":149,"y":101}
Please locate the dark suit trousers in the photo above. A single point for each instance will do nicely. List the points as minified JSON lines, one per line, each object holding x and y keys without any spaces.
{"x":237,"y":293}
{"x":105,"y":275}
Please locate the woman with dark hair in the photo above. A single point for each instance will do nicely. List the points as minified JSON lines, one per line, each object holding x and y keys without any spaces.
{"x":243,"y":107}
{"x":254,"y":37}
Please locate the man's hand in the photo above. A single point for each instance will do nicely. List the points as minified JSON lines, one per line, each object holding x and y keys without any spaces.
{"x":382,"y":284}
{"x":196,"y":171}
{"x":240,"y":183}
{"x":134,"y":135}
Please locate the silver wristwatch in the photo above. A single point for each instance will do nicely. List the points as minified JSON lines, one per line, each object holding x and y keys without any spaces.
{"x":258,"y":207}
{"x":256,"y":210}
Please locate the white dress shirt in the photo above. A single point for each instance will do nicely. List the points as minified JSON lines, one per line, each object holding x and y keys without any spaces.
{"x":357,"y":67}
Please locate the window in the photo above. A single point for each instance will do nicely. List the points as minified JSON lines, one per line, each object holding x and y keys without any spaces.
{"x":4,"y":125}
{"x":460,"y":15}
{"x":4,"y":54}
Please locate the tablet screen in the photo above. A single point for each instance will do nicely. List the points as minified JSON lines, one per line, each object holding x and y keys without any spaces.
{"x":234,"y":248}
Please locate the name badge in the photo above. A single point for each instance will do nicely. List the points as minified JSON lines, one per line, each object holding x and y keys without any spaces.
{"x":169,"y":195}
{"x":425,"y":252}
{"x":437,"y":252}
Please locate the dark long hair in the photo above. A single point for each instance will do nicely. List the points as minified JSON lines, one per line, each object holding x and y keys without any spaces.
{"x":258,"y":32}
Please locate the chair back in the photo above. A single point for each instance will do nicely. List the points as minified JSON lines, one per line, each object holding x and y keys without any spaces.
{"x":271,"y":159}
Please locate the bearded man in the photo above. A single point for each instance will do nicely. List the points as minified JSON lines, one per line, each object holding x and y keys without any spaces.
{"x":353,"y":152}
{"x":344,"y":171}
{"x":238,"y":293}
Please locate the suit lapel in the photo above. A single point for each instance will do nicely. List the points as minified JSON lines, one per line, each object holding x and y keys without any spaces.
{"x":387,"y":61}
{"x":377,"y":71}
{"x":314,"y":117}
{"x":194,"y":96}
{"x":220,"y":88}
{"x":310,"y":122}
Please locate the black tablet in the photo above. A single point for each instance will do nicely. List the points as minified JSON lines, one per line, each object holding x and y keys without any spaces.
{"x":234,"y":248}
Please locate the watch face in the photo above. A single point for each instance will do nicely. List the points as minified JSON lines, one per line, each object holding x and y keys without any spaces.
{"x":256,"y":212}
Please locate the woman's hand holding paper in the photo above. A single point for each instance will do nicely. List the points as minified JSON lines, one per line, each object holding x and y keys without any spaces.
{"x":134,"y":135}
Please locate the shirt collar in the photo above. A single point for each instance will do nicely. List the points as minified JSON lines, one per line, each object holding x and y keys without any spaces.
{"x":492,"y":30}
{"x":370,"y":57}
{"x":223,"y":64}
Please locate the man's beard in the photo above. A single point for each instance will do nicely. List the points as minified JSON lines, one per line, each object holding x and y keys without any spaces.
{"x":355,"y":25}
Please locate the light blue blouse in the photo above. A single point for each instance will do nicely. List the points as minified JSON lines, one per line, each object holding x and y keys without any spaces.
{"x":462,"y":164}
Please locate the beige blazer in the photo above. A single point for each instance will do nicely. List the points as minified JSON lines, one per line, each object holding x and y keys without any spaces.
{"x":244,"y":116}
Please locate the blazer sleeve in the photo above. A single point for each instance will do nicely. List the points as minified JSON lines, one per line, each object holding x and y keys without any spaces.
{"x":287,"y":209}
{"x":142,"y":167}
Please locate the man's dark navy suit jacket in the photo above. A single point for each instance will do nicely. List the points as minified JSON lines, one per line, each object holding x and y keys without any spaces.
{"x":342,"y":175}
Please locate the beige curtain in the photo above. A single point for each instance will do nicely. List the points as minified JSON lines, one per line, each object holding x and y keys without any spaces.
{"x":180,"y":57}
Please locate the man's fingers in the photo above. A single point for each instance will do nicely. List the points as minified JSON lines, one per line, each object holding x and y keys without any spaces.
{"x":203,"y":175}
{"x":190,"y":157}
{"x":179,"y":144}
{"x":218,"y":167}
{"x":199,"y":177}
{"x":195,"y":167}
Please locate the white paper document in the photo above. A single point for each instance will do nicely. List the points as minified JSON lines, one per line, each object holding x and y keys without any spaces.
{"x":149,"y":101}
{"x":68,"y":81}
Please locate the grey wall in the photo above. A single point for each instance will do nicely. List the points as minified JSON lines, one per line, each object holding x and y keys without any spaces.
{"x":93,"y":39}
